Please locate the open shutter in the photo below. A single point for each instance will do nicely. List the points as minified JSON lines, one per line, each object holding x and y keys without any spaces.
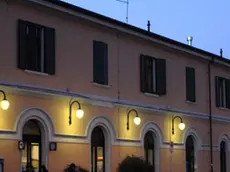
{"x":217,"y":79}
{"x":190,"y":84}
{"x":49,"y":50}
{"x":22,"y":44}
{"x":161,"y":76}
{"x":142,"y":74}
{"x":228,"y":93}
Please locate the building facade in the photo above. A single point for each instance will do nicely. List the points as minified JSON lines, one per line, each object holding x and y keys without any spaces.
{"x":78,"y":82}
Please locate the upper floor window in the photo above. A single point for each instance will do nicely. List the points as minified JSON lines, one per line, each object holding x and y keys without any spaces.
{"x":36,"y":47}
{"x":100,"y":62}
{"x":223,"y":155}
{"x":222,"y":92}
{"x":152,"y":75}
{"x":149,"y":147}
{"x":190,"y":84}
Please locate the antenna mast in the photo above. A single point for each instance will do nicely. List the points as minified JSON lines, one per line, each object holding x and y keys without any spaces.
{"x":127,"y":8}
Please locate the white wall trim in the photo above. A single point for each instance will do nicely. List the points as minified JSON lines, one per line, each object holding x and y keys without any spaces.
{"x":224,"y":137}
{"x":158,"y":140}
{"x":109,"y":133}
{"x":108,"y":102}
{"x":45,"y":125}
{"x":197,"y":144}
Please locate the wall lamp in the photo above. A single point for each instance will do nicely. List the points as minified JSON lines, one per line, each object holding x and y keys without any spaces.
{"x":181,"y":124}
{"x":136,"y":120}
{"x":79,"y":111}
{"x":4,"y":103}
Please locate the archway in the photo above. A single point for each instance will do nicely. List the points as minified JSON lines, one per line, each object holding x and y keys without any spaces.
{"x":32,"y":138}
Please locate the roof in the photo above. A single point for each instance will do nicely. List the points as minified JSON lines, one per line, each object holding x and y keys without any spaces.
{"x":136,"y":29}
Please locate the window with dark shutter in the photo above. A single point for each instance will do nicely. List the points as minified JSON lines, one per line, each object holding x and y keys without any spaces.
{"x":222,"y":92}
{"x":152,"y":75}
{"x":100,"y":62}
{"x":190,"y":84}
{"x":36,"y":47}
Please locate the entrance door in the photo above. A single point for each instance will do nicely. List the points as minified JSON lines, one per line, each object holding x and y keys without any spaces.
{"x":31,"y":155}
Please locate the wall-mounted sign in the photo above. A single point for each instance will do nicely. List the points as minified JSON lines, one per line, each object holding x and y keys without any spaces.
{"x":21,"y":145}
{"x":53,"y":146}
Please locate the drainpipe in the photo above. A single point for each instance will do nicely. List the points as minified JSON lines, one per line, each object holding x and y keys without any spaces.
{"x":210,"y":112}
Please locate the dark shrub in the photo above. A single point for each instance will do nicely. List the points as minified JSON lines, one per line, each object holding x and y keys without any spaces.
{"x":134,"y":164}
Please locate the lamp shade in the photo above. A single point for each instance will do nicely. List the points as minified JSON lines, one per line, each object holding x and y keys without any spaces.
{"x":181,"y":126}
{"x":79,"y":113}
{"x":5,"y":104}
{"x":137,"y":120}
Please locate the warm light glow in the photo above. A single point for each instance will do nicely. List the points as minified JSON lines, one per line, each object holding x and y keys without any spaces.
{"x":79,"y":113}
{"x":5,"y":104}
{"x":181,"y":126}
{"x":137,"y":120}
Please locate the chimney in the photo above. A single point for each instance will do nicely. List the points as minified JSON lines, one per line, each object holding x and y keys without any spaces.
{"x":189,"y":40}
{"x":148,"y":25}
{"x":221,"y":52}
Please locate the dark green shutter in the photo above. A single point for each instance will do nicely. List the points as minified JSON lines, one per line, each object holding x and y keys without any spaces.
{"x":100,"y":62}
{"x":142,"y":74}
{"x":49,"y":50}
{"x":217,"y":81}
{"x":190,"y":84}
{"x":228,"y":93}
{"x":106,"y":77}
{"x":161,"y":76}
{"x":22,"y":42}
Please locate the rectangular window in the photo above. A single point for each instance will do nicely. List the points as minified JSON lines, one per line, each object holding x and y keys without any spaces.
{"x":190,"y":84}
{"x":152,"y":75}
{"x":222,"y":92}
{"x":36,"y":47}
{"x":100,"y":62}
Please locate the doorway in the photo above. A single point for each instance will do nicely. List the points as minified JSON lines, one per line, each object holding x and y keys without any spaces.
{"x":32,"y":153}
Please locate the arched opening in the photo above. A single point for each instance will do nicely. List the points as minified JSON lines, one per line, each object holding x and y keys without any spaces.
{"x":190,"y":154}
{"x":223,"y":157}
{"x":149,"y":146}
{"x":98,"y":150}
{"x":32,"y":153}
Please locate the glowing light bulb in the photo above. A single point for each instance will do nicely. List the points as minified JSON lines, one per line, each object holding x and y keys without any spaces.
{"x":5,"y":104}
{"x":79,"y":113}
{"x":181,"y":126}
{"x":137,"y":120}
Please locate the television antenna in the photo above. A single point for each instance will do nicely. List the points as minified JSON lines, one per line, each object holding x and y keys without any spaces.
{"x":127,"y":8}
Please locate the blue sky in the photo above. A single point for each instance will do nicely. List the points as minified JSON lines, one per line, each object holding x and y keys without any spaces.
{"x":206,"y":20}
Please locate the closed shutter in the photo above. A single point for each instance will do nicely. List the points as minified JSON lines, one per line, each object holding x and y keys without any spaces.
{"x":217,"y":79}
{"x":190,"y":84}
{"x":100,"y":63}
{"x":22,"y":42}
{"x":161,"y":76}
{"x":228,"y":93}
{"x":49,"y":50}
{"x":106,"y":77}
{"x":142,"y":74}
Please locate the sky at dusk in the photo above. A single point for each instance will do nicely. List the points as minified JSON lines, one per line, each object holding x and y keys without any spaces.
{"x":208,"y":21}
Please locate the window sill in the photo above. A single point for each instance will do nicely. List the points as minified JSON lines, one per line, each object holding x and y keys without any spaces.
{"x":37,"y":73}
{"x":223,"y":108}
{"x":100,"y":85}
{"x":151,"y":94}
{"x":189,"y":102}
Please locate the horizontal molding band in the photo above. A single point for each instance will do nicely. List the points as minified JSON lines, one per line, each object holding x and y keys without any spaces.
{"x":108,"y":102}
{"x":62,"y":138}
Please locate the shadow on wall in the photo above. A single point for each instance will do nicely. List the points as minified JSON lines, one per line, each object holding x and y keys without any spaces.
{"x":74,"y":168}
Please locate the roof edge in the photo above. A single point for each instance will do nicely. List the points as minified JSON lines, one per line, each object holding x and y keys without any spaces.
{"x":133,"y":30}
